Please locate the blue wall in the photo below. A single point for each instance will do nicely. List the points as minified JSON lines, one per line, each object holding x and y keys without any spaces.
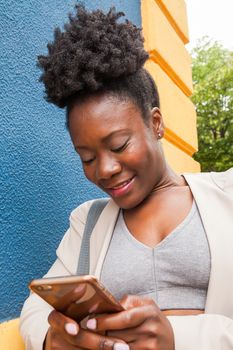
{"x":41,"y":179}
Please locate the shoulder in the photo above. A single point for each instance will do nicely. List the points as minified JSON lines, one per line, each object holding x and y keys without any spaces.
{"x":80,"y":214}
{"x":219,"y":180}
{"x":224,"y":180}
{"x":69,"y":247}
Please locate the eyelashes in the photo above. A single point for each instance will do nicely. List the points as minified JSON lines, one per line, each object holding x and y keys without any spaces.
{"x":114,"y":150}
{"x":121,"y":148}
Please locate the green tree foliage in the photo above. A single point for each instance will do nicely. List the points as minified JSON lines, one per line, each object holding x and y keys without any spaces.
{"x":213,"y":97}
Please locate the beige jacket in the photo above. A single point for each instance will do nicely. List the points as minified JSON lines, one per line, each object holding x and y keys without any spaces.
{"x":213,"y":330}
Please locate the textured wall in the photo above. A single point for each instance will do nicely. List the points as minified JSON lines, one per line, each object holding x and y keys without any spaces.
{"x":40,"y":177}
{"x":170,"y":66}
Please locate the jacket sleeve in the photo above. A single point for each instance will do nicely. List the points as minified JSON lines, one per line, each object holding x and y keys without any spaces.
{"x":202,"y":332}
{"x":34,"y":315}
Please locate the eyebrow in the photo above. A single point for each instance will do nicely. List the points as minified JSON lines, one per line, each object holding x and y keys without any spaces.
{"x":106,"y":138}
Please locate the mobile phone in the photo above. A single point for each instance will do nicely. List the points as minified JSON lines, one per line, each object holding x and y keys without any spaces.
{"x":60,"y":292}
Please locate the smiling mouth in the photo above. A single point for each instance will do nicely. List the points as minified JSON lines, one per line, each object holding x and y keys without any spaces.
{"x":122,"y":188}
{"x":121,"y":185}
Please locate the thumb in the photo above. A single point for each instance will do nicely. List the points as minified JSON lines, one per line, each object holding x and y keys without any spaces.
{"x":63,"y":323}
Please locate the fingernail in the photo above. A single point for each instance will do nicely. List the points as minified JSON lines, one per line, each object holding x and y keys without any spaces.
{"x":120,"y":346}
{"x":71,"y":328}
{"x":93,"y":308}
{"x":80,"y":288}
{"x":91,"y":324}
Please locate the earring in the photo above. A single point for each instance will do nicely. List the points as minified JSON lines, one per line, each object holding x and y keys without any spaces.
{"x":159,"y":135}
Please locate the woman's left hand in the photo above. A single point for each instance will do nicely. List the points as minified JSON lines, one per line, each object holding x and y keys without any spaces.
{"x":142,"y":325}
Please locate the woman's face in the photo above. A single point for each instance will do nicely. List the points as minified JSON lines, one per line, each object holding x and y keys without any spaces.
{"x":119,"y":152}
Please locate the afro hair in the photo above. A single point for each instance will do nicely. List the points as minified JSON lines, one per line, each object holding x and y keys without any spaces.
{"x":97,"y":53}
{"x":93,"y":50}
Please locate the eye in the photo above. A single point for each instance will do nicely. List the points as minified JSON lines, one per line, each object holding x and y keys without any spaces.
{"x":88,"y":161}
{"x":120,"y":149}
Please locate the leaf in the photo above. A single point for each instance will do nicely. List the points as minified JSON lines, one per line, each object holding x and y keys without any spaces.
{"x":212,"y":67}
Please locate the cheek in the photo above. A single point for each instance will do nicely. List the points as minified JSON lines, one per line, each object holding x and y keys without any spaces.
{"x":147,"y":162}
{"x":89,"y":173}
{"x":141,"y":155}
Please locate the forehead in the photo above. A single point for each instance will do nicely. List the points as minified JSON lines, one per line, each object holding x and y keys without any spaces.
{"x":103,"y":113}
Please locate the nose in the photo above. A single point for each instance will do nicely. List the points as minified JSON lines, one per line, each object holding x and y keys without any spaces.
{"x":107,"y":166}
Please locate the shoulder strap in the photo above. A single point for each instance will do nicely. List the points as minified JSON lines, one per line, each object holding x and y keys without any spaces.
{"x":92,"y":217}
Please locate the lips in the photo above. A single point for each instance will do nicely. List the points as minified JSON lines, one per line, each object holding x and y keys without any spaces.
{"x":121,"y":188}
{"x":120,"y":185}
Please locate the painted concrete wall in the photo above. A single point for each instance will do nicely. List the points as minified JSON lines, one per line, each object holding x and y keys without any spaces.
{"x":41,"y":179}
{"x":165,"y":29}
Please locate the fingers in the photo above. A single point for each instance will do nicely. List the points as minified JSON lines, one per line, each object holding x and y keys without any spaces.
{"x":131,"y":301}
{"x":149,"y":328}
{"x":90,"y":340}
{"x":128,"y":335}
{"x":148,"y":344}
{"x":63,"y":323}
{"x":142,"y":325}
{"x":122,"y":320}
{"x":55,"y":341}
{"x":75,"y":336}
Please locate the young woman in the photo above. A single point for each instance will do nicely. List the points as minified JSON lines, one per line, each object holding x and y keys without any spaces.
{"x":163,"y":242}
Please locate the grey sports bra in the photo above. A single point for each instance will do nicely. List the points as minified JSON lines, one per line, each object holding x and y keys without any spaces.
{"x":175,"y":273}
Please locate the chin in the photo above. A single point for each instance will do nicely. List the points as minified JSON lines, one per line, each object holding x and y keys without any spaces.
{"x":127,"y":203}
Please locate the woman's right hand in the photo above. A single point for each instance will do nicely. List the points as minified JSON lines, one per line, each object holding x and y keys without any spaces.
{"x":60,"y":327}
{"x":65,"y":333}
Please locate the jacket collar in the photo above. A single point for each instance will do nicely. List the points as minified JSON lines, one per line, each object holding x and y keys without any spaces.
{"x":210,"y":191}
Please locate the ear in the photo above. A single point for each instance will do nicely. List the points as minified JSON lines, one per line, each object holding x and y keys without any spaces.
{"x":157,"y":122}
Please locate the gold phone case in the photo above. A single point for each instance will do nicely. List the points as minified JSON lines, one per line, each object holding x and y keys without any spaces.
{"x":60,"y":292}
